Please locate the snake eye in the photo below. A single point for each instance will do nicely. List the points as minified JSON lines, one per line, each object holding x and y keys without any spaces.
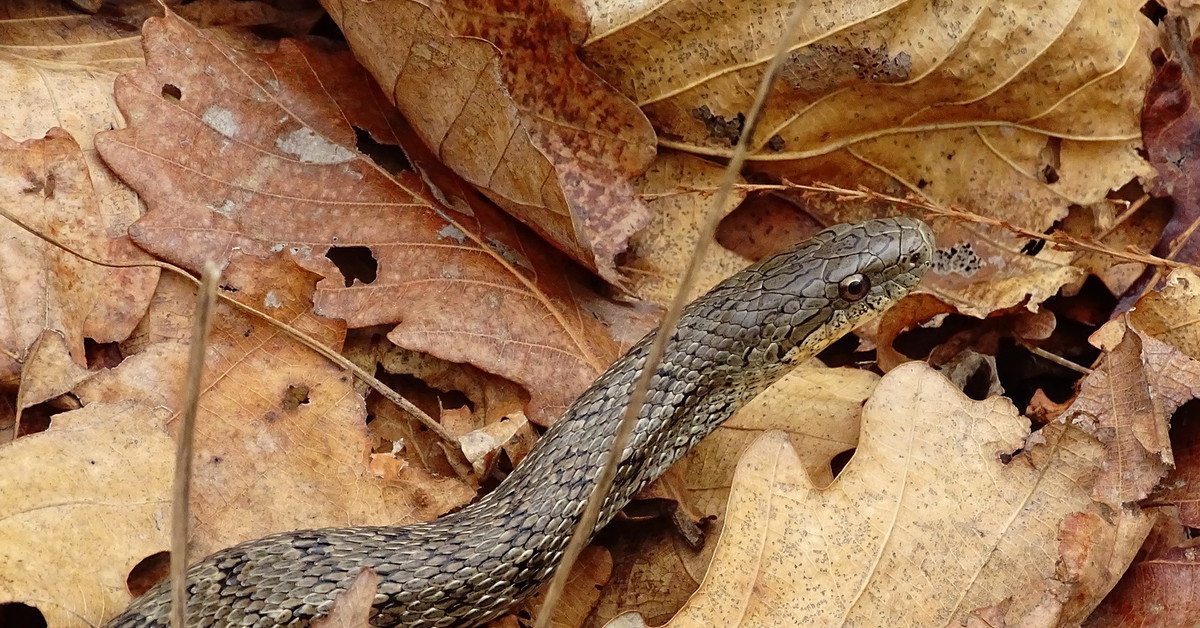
{"x":854,"y":287}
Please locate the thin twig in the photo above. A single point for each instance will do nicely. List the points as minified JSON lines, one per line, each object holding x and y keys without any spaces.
{"x":302,"y":337}
{"x":591,"y":513}
{"x":1059,"y":238}
{"x":201,"y":324}
{"x":1057,"y":359}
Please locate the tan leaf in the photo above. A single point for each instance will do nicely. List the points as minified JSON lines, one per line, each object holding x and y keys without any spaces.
{"x":819,"y":408}
{"x":659,"y":254}
{"x":98,"y":502}
{"x":45,"y":183}
{"x":903,"y":536}
{"x":257,"y":153}
{"x":59,"y":71}
{"x":1173,"y":315}
{"x":1015,"y":110}
{"x":498,"y":89}
{"x":279,"y":425}
{"x":49,"y":371}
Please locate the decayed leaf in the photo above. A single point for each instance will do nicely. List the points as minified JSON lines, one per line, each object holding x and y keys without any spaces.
{"x":1171,"y":124}
{"x":232,"y":150}
{"x":45,"y":183}
{"x":1126,"y":403}
{"x":98,"y":502}
{"x":819,"y":408}
{"x":279,"y":425}
{"x":926,"y":525}
{"x":499,"y":92}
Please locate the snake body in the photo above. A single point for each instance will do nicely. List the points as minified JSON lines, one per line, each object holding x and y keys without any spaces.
{"x":474,"y":565}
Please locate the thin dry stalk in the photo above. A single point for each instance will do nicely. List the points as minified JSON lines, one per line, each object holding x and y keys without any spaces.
{"x":591,"y":513}
{"x":201,"y":324}
{"x":1058,"y":238}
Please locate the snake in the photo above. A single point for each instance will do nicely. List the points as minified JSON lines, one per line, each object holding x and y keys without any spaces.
{"x":471,"y":566}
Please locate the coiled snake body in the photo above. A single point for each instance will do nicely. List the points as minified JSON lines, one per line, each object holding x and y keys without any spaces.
{"x":473,"y":565}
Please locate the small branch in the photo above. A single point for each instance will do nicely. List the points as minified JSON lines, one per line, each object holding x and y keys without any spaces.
{"x":1059,"y":238}
{"x":1059,"y":360}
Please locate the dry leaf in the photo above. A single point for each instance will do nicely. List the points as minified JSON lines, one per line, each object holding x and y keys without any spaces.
{"x":1173,"y":315}
{"x":1159,"y":592}
{"x":1181,"y":487}
{"x":819,"y":407}
{"x":499,"y":92}
{"x":45,"y":183}
{"x":98,"y":503}
{"x":352,"y":607}
{"x":1170,"y":122}
{"x":659,"y":254}
{"x":49,"y":371}
{"x":903,"y":536}
{"x":1016,"y":111}
{"x":238,"y":151}
{"x":279,"y":425}
{"x":1126,"y":403}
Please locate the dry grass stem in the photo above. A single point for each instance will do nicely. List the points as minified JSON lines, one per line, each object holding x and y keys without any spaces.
{"x":206,"y":299}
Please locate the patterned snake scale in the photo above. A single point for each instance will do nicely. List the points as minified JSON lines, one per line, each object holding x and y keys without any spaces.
{"x":473,"y":565}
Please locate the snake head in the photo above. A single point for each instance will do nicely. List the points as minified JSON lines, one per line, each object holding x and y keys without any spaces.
{"x":788,"y":307}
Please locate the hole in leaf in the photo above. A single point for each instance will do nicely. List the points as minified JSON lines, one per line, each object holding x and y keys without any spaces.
{"x":171,"y":92}
{"x":390,"y":158}
{"x":354,"y":262}
{"x":326,"y":28}
{"x":22,"y":615}
{"x":295,"y":397}
{"x":148,"y":573}
{"x":844,"y":352}
{"x":1154,"y":10}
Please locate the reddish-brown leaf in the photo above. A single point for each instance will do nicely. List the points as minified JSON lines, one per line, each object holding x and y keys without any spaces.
{"x":257,"y":153}
{"x":1171,"y":132}
{"x":1158,"y":592}
{"x":46,"y":184}
{"x":497,"y":90}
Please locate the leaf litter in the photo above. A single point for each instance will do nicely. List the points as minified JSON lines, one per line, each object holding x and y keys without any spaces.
{"x":950,"y":510}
